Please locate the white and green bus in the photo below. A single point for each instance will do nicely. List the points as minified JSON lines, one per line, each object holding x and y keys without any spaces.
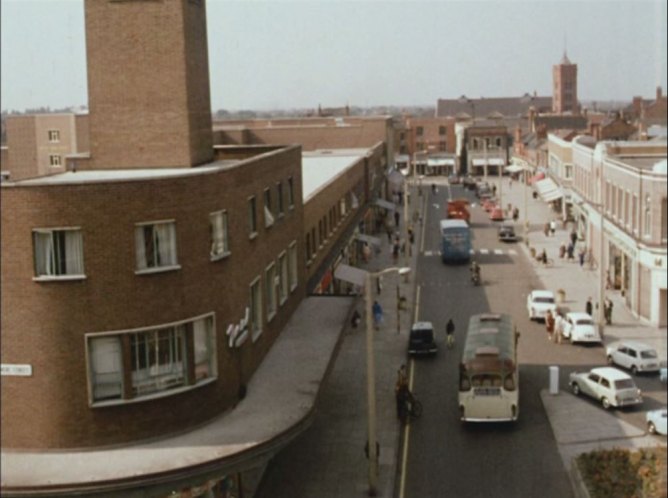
{"x":488,"y":372}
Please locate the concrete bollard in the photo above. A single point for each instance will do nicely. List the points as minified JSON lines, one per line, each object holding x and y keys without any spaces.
{"x":554,"y":380}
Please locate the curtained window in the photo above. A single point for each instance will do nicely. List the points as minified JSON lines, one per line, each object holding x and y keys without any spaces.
{"x":58,"y":253}
{"x":219,"y":234}
{"x":155,"y":245}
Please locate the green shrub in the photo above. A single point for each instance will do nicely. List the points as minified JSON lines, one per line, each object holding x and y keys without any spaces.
{"x":620,"y":473}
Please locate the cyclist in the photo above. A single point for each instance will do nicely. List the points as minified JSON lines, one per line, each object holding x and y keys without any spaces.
{"x":475,"y":272}
{"x":450,"y":333}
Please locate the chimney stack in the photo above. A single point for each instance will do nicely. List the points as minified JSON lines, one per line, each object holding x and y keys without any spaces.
{"x":659,"y":93}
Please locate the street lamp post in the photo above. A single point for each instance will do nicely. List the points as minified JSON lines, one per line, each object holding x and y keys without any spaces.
{"x":371,"y":377}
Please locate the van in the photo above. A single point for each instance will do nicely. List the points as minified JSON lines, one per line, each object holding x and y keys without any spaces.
{"x":421,"y":339}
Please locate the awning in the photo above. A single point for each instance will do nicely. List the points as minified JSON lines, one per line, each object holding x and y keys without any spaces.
{"x":515,"y":168}
{"x":548,"y":189}
{"x":385,"y":204}
{"x":436,"y":162}
{"x":537,"y":177}
{"x":492,"y":161}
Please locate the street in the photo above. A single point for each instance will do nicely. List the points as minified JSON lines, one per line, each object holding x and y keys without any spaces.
{"x":446,"y":458}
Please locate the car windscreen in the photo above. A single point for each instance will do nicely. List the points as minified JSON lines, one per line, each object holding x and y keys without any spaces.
{"x":546,"y":300}
{"x":585,"y":321}
{"x":624,"y":384}
{"x":648,"y":354}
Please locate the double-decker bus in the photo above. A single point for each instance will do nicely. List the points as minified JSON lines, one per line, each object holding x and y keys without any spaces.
{"x":455,"y":241}
{"x":488,"y":372}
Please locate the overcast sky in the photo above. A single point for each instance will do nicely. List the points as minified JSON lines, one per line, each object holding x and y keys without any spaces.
{"x":277,"y":54}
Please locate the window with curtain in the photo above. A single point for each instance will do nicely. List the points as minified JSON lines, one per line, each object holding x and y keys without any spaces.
{"x":270,"y":288}
{"x":155,"y":245}
{"x":252,"y":216}
{"x":157,"y":362}
{"x":205,"y":348}
{"x":106,"y":368}
{"x":283,"y":276}
{"x":292,"y":265}
{"x":255,"y":309}
{"x":58,"y":253}
{"x":268,"y":214}
{"x":219,"y":234}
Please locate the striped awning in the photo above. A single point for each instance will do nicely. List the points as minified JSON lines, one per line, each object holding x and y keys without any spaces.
{"x":548,"y":190}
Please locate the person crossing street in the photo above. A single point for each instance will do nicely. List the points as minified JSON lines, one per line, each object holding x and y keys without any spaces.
{"x":450,"y":333}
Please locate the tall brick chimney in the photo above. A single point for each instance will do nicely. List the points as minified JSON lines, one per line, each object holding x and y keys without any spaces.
{"x":148,"y":84}
{"x":659,"y":93}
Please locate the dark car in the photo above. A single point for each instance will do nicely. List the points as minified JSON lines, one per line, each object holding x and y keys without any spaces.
{"x":454,"y":180}
{"x":507,"y":233}
{"x":468,"y":182}
{"x":421,"y":339}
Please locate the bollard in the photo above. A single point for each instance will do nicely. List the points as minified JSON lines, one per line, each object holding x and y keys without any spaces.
{"x":554,"y":380}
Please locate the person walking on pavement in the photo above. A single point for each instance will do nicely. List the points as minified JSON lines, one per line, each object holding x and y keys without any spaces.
{"x":450,"y":333}
{"x":558,"y":327}
{"x":553,"y":227}
{"x":581,"y":255}
{"x":377,"y":314}
{"x":546,"y":229}
{"x":574,"y":237}
{"x":608,"y":311}
{"x":589,"y":307}
{"x":401,"y":391}
{"x":549,"y":324}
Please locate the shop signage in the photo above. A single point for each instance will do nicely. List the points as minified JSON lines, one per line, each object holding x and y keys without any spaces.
{"x":16,"y":370}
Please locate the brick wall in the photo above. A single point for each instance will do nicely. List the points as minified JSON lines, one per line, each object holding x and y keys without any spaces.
{"x":43,"y":323}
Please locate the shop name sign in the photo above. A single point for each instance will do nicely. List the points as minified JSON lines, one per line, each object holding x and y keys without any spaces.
{"x":16,"y":370}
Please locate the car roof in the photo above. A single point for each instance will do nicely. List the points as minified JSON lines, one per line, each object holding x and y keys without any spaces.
{"x":578,"y":314}
{"x":542,"y":293}
{"x":422,"y":325}
{"x":640,"y":346}
{"x":611,"y":373}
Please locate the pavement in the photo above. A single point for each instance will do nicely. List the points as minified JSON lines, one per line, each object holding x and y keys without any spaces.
{"x":328,"y":459}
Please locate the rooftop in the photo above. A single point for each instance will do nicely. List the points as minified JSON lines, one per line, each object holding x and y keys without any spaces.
{"x":320,"y":167}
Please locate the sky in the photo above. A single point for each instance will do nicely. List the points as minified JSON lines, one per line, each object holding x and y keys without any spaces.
{"x":284,"y":54}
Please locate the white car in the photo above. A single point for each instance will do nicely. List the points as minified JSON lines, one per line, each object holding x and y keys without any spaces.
{"x":539,"y":302}
{"x":656,"y":421}
{"x":634,"y":356}
{"x":610,"y":386}
{"x":580,"y":327}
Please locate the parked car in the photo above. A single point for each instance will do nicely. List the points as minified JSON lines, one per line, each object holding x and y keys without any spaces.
{"x":610,"y":386}
{"x":468,"y":182}
{"x":539,"y":302}
{"x":580,"y":327}
{"x":421,"y":339}
{"x":656,"y":421}
{"x":454,"y":179}
{"x":488,"y":204}
{"x":634,"y":356}
{"x":507,"y":233}
{"x":496,"y":214}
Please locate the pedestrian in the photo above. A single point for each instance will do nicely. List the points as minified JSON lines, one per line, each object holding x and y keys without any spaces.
{"x":366,"y":252}
{"x":608,"y":311}
{"x":558,"y":327}
{"x":377,"y":314}
{"x":589,"y":307}
{"x":581,"y":255}
{"x":553,"y":227}
{"x":355,"y":319}
{"x":401,"y":389}
{"x":549,"y":324}
{"x":395,"y":251}
{"x":543,"y":257}
{"x":388,"y":229}
{"x":494,"y":190}
{"x":516,"y":214}
{"x":574,"y":237}
{"x":396,"y":218}
{"x":379,"y":284}
{"x":449,"y":333}
{"x":546,"y":229}
{"x":411,"y":235}
{"x":510,"y":182}
{"x":571,"y":251}
{"x":562,"y":251}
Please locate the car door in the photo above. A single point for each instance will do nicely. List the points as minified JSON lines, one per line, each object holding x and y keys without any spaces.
{"x":620,"y":356}
{"x":605,"y":390}
{"x":568,"y":327}
{"x":590,"y":384}
{"x":631,"y":358}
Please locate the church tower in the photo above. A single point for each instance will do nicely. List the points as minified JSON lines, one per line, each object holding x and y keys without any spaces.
{"x":148,"y":84}
{"x":565,"y":82}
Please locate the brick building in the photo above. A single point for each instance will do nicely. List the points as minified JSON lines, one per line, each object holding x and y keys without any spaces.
{"x":565,"y":87}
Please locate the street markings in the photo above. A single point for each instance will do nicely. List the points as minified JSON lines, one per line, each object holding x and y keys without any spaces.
{"x":473,"y":252}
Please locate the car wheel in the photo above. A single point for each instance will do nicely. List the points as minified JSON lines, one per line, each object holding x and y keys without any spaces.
{"x":575,"y":388}
{"x":651,"y":428}
{"x":634,"y":370}
{"x":610,"y":362}
{"x":605,"y":402}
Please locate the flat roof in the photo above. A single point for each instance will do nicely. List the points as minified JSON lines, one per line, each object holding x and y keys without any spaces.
{"x":640,"y":162}
{"x":120,"y":175}
{"x":320,"y":167}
